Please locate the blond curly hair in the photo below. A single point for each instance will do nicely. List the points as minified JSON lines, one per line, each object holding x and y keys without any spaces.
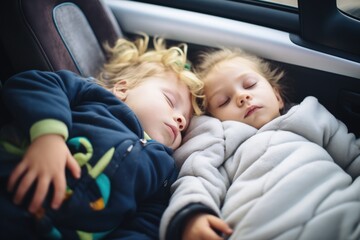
{"x":133,"y":61}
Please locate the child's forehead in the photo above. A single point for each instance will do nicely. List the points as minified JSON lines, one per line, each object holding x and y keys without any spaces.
{"x":237,"y":62}
{"x":232,"y":65}
{"x":174,"y":81}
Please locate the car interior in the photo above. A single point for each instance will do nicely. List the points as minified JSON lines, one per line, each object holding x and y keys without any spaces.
{"x":319,"y":52}
{"x":316,"y":43}
{"x":53,"y":35}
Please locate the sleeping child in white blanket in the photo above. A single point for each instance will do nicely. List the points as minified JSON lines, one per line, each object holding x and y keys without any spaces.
{"x":257,"y":169}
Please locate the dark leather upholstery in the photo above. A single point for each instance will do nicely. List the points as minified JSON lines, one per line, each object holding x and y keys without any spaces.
{"x":31,"y":38}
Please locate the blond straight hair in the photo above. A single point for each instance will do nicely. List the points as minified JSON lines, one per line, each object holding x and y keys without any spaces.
{"x":210,"y":60}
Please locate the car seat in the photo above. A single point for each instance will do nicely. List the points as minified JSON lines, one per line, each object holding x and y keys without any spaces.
{"x":57,"y":34}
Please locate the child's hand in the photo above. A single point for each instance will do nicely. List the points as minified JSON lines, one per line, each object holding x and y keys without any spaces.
{"x":44,"y":163}
{"x":205,"y":226}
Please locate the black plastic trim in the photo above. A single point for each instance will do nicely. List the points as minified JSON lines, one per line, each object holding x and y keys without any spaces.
{"x":323,"y":23}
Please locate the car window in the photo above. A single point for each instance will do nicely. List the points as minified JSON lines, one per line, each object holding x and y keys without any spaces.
{"x":350,"y":7}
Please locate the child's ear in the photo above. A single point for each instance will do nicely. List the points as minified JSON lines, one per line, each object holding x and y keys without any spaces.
{"x":279,"y":98}
{"x":120,"y":89}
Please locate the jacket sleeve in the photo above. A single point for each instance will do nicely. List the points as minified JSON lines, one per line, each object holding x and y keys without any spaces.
{"x":320,"y":126}
{"x":344,"y":149}
{"x":37,"y":98}
{"x":177,"y":224}
{"x":202,"y":181}
{"x":141,"y":184}
{"x":149,"y":211}
{"x":144,"y":224}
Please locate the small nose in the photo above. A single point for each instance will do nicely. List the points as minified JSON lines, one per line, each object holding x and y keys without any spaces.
{"x":242,"y":98}
{"x":181,"y":122}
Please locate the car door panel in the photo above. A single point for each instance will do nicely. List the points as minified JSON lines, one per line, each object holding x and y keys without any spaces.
{"x":310,"y":72}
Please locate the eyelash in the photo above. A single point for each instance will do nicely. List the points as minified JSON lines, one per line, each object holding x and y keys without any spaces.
{"x":224,"y":103}
{"x":169,"y":101}
{"x":251,"y":85}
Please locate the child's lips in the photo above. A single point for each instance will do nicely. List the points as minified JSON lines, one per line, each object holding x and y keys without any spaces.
{"x":173,"y":130}
{"x":250,"y":110}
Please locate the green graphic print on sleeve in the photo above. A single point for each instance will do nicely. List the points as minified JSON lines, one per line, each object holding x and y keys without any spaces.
{"x":82,"y":152}
{"x":95,"y":172}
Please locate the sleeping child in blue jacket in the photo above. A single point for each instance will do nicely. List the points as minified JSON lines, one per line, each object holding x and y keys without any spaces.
{"x":91,"y":158}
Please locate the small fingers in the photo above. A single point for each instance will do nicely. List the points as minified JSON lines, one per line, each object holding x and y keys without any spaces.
{"x":59,"y":191}
{"x":39,"y":195}
{"x":205,"y":233}
{"x":220,"y":225}
{"x":73,"y":166}
{"x":15,"y":175}
{"x":23,"y":187}
{"x":212,"y":235}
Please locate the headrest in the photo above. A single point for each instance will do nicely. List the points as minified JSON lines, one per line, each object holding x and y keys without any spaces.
{"x":57,"y":34}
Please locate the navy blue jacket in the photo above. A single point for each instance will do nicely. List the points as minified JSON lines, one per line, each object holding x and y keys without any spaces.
{"x":124,"y":187}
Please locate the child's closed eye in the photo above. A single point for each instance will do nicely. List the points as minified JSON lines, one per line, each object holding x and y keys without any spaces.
{"x":249,"y":83}
{"x":223,"y":102}
{"x":169,"y":100}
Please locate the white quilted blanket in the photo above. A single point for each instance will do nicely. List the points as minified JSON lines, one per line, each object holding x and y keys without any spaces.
{"x":295,"y":178}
